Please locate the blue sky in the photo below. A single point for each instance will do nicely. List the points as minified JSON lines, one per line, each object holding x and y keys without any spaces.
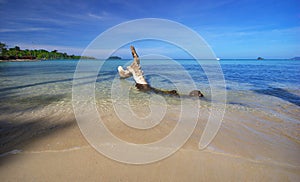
{"x":233,"y":28}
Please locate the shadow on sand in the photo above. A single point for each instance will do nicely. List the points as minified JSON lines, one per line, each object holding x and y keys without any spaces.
{"x":16,"y":131}
{"x":20,"y":133}
{"x":280,"y":93}
{"x":13,"y":104}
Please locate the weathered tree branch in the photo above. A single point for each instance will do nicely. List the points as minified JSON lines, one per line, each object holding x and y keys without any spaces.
{"x":135,"y":70}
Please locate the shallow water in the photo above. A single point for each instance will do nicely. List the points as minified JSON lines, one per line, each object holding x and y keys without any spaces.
{"x":262,"y":119}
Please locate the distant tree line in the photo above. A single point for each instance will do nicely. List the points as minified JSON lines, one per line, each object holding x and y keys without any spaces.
{"x":17,"y":53}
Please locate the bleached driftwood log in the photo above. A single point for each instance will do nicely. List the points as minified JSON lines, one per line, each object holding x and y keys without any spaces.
{"x":135,"y":70}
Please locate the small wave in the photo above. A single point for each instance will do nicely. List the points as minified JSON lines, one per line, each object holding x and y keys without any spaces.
{"x":13,"y":152}
{"x":57,"y":151}
{"x":266,"y":161}
{"x":17,"y":151}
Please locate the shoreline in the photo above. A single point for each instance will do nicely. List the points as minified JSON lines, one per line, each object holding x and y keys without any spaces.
{"x":38,"y":60}
{"x":20,"y":60}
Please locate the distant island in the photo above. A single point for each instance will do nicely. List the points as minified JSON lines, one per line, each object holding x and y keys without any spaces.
{"x":17,"y":54}
{"x":295,"y":58}
{"x":260,"y":58}
{"x":114,"y":57}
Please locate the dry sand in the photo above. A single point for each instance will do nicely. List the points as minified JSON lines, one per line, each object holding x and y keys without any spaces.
{"x":50,"y":147}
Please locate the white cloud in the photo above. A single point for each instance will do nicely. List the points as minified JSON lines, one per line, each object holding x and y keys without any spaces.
{"x":88,"y":16}
{"x":95,"y":16}
{"x":49,"y":20}
{"x":31,"y":29}
{"x":256,"y":31}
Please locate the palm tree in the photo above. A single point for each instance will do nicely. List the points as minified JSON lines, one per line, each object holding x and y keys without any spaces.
{"x":3,"y":49}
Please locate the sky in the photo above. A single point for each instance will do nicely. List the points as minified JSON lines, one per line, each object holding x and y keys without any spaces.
{"x":232,"y":28}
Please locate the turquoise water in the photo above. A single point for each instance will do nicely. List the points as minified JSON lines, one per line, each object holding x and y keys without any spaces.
{"x":249,"y":83}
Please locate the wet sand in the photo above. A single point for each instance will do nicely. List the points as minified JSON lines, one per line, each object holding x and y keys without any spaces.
{"x":45,"y":144}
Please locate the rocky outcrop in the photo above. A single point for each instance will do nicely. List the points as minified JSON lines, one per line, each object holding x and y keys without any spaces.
{"x":260,"y":58}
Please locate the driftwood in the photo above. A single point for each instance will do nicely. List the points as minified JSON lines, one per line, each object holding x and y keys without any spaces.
{"x":140,"y":82}
{"x":135,"y":70}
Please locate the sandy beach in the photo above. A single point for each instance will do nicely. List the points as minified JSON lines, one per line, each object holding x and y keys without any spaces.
{"x":19,"y":60}
{"x":40,"y":146}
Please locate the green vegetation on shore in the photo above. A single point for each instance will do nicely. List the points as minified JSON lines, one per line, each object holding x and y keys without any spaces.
{"x":41,"y":54}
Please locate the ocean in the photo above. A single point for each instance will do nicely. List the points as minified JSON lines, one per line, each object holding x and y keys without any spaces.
{"x":262,"y":116}
{"x":267,"y":85}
